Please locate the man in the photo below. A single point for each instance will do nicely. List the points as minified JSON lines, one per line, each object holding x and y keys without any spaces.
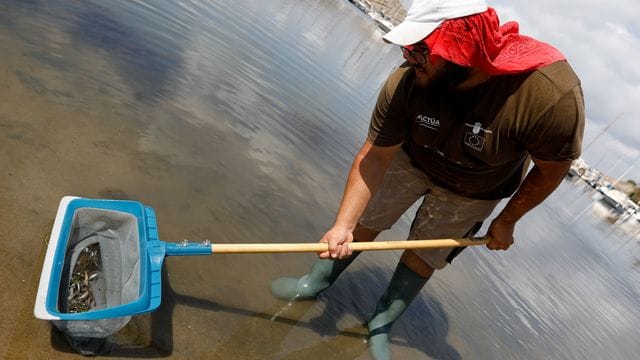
{"x":457,"y":124}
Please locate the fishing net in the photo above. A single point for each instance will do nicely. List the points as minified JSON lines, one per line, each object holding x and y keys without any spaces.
{"x":101,"y":270}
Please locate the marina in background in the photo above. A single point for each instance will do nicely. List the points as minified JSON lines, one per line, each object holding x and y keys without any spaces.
{"x":385,"y":14}
{"x":620,"y":196}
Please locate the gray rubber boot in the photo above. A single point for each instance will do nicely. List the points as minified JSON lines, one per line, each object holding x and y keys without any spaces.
{"x":323,"y":273}
{"x":403,"y":287}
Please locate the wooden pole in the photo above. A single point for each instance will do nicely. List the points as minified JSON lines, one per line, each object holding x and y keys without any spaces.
{"x":356,"y":246}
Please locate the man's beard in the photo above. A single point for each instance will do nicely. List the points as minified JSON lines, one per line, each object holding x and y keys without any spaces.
{"x":446,"y":78}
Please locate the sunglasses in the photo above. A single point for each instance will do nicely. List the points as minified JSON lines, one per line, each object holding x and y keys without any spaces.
{"x":417,"y":52}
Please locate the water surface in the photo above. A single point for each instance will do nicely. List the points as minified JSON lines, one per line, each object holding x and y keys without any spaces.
{"x":237,"y":121}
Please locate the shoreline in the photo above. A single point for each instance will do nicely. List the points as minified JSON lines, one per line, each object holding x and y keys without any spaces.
{"x":384,"y":22}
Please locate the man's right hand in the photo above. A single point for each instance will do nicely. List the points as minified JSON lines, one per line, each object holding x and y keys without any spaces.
{"x":338,"y":239}
{"x":366,"y":173}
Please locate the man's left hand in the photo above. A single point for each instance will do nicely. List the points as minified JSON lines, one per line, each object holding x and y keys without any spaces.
{"x":501,"y":234}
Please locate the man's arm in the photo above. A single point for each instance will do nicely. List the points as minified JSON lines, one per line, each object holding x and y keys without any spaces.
{"x":367,"y":171}
{"x":537,"y":185}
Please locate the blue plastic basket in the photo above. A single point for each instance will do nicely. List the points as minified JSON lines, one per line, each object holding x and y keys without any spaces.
{"x":152,"y":252}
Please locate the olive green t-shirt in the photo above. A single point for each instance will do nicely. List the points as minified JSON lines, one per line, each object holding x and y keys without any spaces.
{"x":477,"y":142}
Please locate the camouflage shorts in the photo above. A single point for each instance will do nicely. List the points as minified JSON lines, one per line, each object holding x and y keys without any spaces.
{"x":442,"y":214}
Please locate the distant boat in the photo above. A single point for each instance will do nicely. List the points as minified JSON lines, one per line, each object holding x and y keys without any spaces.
{"x":615,"y":198}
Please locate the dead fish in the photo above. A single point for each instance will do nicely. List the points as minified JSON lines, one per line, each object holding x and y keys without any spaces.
{"x":93,"y":276}
{"x":84,"y":295}
{"x":72,"y":294}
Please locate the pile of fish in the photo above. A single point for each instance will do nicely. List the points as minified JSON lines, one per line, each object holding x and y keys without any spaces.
{"x":86,"y":270}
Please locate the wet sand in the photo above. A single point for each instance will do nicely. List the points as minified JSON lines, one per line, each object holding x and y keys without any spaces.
{"x":69,"y":128}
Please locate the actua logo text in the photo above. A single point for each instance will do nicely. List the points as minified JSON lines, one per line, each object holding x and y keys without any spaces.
{"x":428,"y":122}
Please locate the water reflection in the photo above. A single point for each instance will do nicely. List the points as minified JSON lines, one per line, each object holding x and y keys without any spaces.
{"x":148,"y":70}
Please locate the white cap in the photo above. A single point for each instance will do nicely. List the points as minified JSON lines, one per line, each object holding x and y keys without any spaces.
{"x":424,"y":16}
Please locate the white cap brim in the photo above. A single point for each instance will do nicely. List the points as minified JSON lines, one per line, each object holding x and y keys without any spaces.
{"x":408,"y":33}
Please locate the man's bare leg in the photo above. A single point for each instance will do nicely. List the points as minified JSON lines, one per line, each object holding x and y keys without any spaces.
{"x":417,"y":265}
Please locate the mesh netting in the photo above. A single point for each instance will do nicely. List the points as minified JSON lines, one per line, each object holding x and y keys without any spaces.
{"x":101,"y":270}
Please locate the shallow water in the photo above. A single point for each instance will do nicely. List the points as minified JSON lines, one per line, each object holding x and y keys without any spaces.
{"x":237,"y":122}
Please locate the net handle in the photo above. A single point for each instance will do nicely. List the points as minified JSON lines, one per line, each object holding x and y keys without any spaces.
{"x":356,"y":246}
